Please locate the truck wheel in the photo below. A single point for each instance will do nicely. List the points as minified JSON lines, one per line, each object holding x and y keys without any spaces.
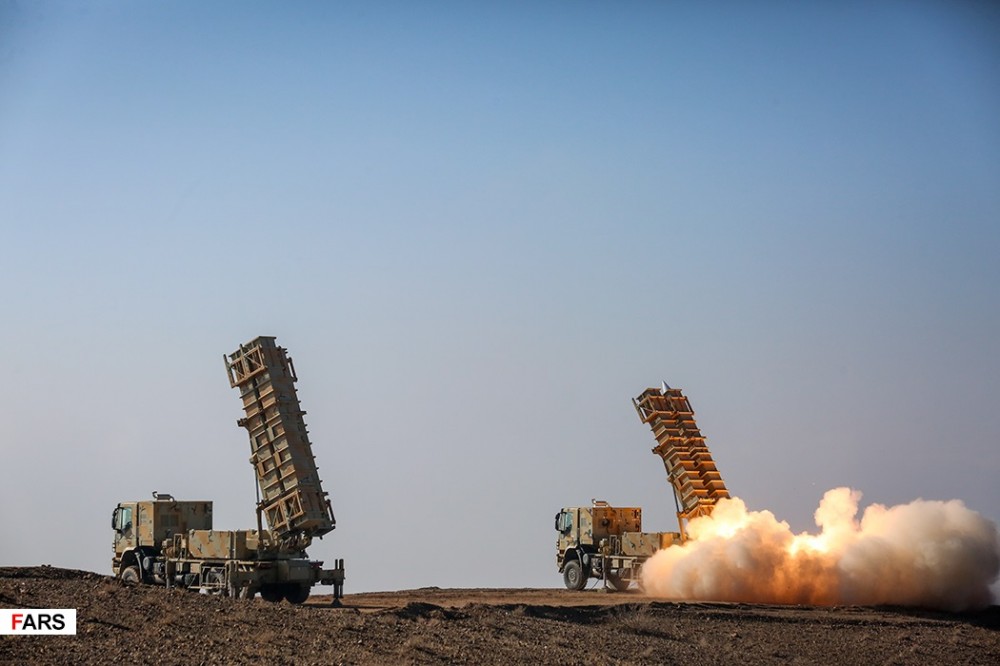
{"x":130,"y":575}
{"x":215,"y":584}
{"x":573,"y":575}
{"x":296,"y":594}
{"x":271,"y":593}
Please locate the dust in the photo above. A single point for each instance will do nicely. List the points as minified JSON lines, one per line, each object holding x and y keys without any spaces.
{"x":930,"y":554}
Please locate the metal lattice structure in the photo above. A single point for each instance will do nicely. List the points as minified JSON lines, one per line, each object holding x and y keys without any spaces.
{"x":691,"y":471}
{"x":292,"y":498}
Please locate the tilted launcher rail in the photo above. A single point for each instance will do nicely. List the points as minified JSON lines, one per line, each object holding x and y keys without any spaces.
{"x":291,"y":496}
{"x":696,"y":482}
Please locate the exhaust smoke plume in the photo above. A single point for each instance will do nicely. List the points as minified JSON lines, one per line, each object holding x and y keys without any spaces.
{"x":929,"y":554}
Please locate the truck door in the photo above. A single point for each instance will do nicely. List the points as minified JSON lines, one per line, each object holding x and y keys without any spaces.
{"x":122,"y":520}
{"x":565,"y":522}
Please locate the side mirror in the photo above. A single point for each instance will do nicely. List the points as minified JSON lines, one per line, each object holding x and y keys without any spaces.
{"x":114,"y":519}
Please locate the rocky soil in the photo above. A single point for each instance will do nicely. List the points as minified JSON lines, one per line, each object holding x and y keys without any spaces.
{"x":141,"y":624}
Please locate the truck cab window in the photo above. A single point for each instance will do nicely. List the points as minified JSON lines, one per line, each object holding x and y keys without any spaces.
{"x":124,"y":518}
{"x":565,"y":522}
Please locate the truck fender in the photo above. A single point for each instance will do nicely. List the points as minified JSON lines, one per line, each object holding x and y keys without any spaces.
{"x":141,"y":557}
{"x":129,"y":558}
{"x":576,"y":554}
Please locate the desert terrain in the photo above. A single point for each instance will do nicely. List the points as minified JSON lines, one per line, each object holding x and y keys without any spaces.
{"x":118,"y":623}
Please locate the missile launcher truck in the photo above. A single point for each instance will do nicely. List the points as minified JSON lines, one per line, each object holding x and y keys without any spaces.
{"x":170,"y":542}
{"x":606,"y":542}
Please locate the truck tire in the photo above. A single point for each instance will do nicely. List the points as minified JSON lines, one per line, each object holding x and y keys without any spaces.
{"x":296,"y":594}
{"x":271,"y":593}
{"x":131,"y":575}
{"x":573,"y":575}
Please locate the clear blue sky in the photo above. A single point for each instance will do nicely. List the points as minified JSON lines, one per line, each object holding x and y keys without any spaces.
{"x":480,"y":230}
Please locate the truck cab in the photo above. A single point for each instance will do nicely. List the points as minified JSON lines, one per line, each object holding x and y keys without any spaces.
{"x":141,"y":528}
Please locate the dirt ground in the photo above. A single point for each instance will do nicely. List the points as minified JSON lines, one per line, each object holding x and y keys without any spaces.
{"x":142,"y":624}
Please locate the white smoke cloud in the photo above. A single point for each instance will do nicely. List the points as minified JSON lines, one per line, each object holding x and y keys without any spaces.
{"x":929,"y":554}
